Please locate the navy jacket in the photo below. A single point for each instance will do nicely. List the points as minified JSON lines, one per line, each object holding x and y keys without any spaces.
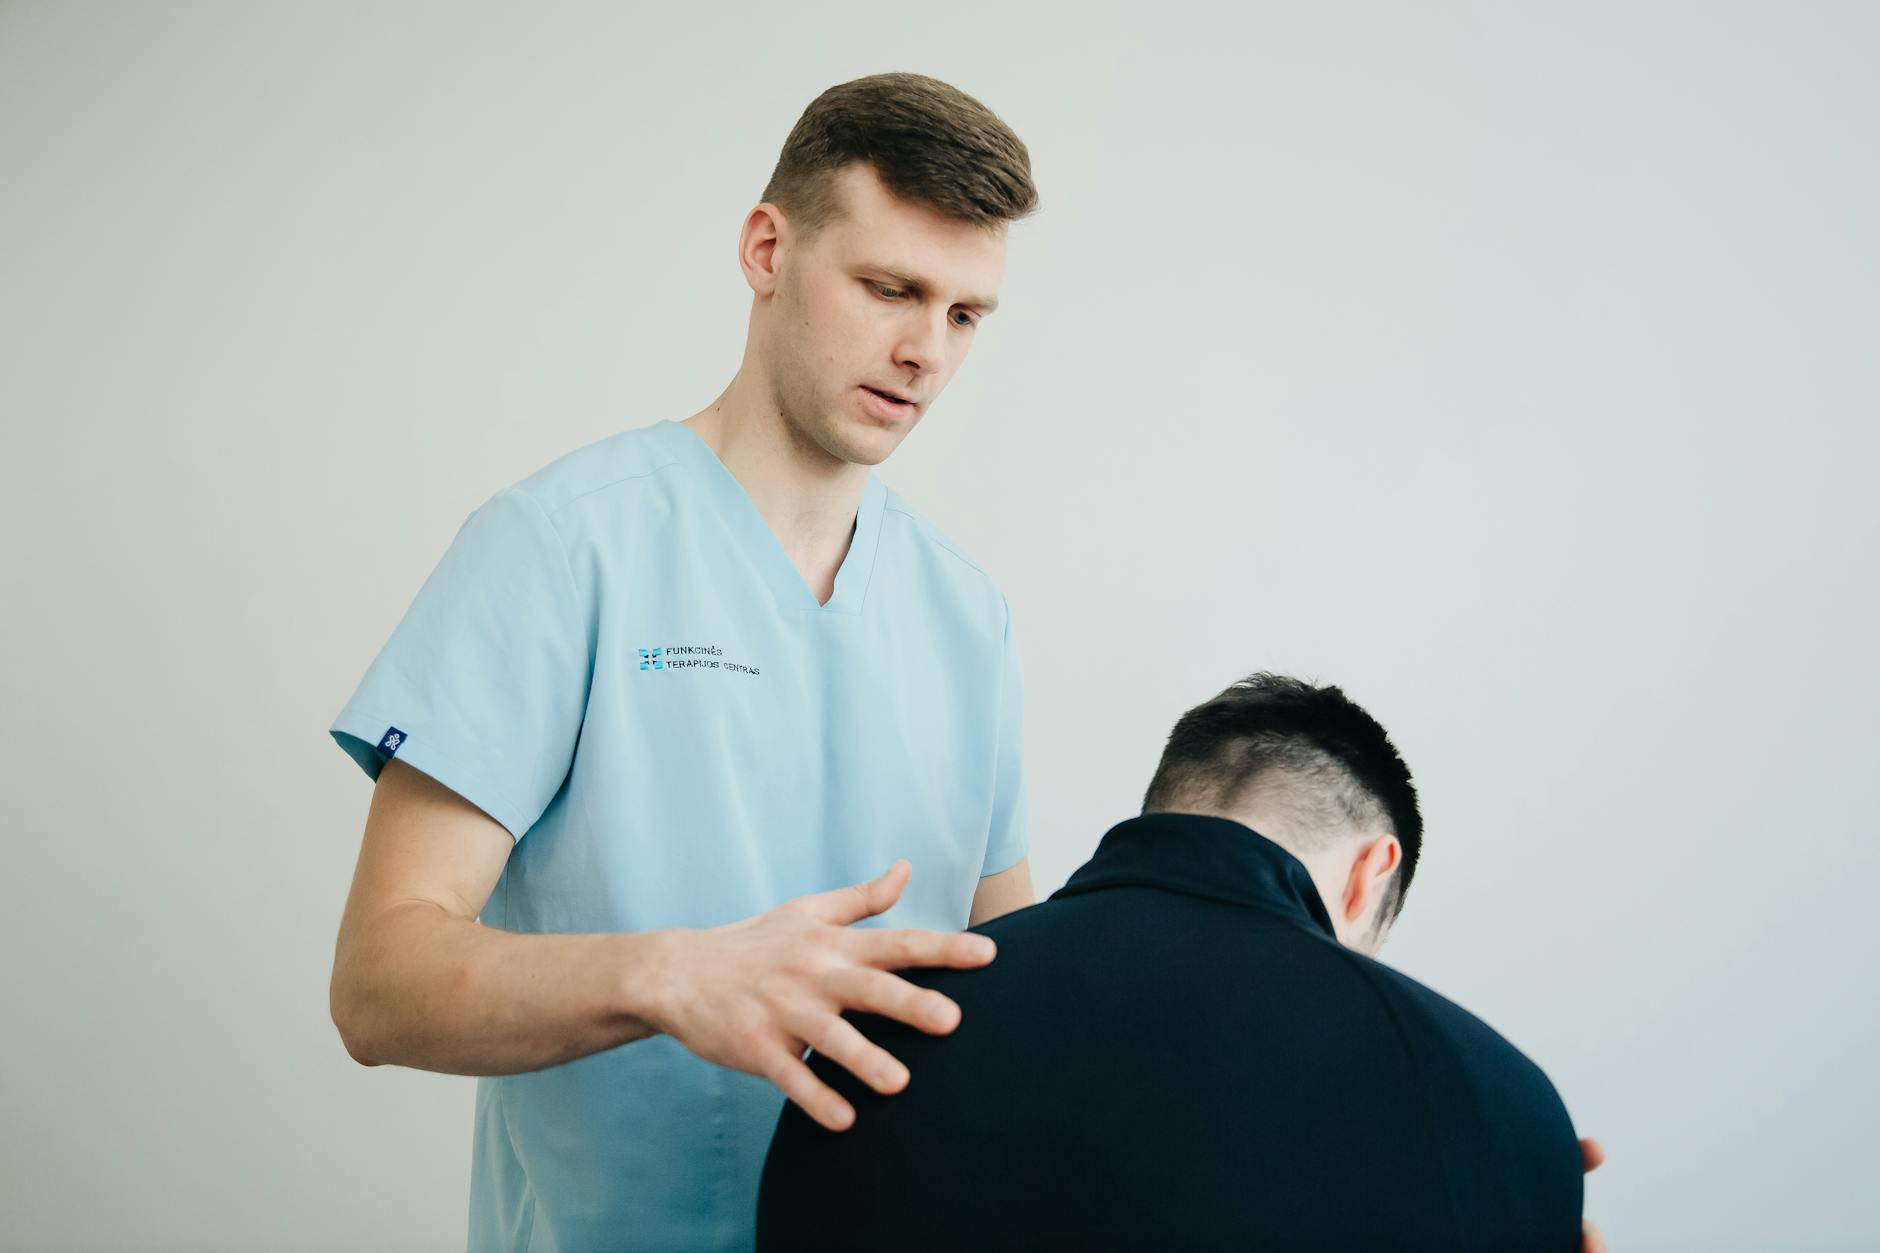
{"x":1173,"y":1052}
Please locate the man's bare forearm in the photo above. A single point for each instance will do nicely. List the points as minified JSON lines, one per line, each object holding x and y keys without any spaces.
{"x":424,"y":988}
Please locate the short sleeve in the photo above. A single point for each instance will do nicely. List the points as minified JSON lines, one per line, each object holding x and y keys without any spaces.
{"x":483,"y":683}
{"x":1010,"y":836}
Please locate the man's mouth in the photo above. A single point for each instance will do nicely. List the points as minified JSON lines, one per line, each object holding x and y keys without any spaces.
{"x":891,"y":397}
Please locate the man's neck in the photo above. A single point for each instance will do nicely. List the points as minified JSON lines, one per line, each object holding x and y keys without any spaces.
{"x":808,"y":498}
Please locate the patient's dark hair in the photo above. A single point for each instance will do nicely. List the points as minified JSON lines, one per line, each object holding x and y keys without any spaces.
{"x":1309,"y":752}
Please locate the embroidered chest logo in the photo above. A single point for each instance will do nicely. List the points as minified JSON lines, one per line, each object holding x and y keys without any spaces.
{"x":692,"y":657}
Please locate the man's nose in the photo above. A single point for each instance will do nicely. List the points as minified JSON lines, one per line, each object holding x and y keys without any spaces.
{"x":923,"y":344}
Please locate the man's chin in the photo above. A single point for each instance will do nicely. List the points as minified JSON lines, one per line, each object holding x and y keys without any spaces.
{"x":868,"y":444}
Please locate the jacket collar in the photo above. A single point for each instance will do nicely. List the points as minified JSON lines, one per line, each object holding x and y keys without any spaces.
{"x":1200,"y":855}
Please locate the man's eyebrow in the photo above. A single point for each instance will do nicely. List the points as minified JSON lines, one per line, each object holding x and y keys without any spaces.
{"x":985,"y":304}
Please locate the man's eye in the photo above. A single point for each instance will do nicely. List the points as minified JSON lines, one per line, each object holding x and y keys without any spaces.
{"x":888,"y":292}
{"x":970,"y":320}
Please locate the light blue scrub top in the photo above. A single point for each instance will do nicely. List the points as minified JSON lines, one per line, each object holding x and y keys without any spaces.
{"x":617,"y":661}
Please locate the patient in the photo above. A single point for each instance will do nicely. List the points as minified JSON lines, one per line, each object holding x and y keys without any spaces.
{"x":1189,"y":1045}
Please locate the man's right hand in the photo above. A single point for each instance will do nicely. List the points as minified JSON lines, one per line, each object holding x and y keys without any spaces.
{"x":755,"y":994}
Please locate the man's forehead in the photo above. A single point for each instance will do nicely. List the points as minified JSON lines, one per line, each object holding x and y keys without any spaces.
{"x":964,"y":266}
{"x":913,"y":245}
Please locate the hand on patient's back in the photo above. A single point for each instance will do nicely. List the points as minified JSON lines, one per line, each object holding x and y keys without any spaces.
{"x":1592,"y":1153}
{"x":755,"y":994}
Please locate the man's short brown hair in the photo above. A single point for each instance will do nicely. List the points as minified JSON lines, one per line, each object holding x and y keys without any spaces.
{"x":930,"y":143}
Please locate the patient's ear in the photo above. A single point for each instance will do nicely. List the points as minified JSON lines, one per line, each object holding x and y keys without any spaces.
{"x":1377,"y":857}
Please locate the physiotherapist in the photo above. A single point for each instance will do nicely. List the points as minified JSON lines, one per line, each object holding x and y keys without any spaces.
{"x":652,"y":728}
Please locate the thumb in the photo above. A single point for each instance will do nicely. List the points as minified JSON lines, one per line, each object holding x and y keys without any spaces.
{"x":1592,"y":1154}
{"x":861,"y":900}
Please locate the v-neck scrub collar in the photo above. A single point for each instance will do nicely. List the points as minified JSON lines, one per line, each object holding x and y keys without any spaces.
{"x":760,"y":543}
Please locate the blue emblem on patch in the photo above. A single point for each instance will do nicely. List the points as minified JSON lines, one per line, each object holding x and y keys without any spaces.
{"x":393,"y":738}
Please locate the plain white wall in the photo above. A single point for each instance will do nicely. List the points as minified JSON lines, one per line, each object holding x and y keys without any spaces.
{"x":1511,"y":365}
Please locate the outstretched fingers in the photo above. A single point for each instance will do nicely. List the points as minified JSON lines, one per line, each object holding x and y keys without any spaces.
{"x":890,"y":996}
{"x":907,"y":948}
{"x":842,"y":906}
{"x":820,"y":1101}
{"x":837,"y":1039}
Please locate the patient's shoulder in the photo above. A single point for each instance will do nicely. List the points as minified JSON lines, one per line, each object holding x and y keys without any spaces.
{"x":1493,"y":1106}
{"x":1430,"y":1021}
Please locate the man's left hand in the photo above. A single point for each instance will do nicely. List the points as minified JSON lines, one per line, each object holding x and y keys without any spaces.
{"x":1592,"y":1153}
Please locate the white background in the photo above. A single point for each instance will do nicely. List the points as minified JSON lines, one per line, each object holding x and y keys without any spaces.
{"x":1511,"y":365}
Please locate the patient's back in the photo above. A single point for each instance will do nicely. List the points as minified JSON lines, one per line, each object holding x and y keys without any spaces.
{"x":1178,"y":1060}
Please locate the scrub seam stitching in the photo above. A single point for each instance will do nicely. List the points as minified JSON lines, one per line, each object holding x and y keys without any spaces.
{"x":611,"y":483}
{"x":933,"y":537}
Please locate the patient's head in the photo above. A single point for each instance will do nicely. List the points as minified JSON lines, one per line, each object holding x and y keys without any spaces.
{"x":1314,"y":773}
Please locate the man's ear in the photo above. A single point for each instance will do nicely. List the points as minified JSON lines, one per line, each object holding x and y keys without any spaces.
{"x":765,"y":231}
{"x":1377,"y":857}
